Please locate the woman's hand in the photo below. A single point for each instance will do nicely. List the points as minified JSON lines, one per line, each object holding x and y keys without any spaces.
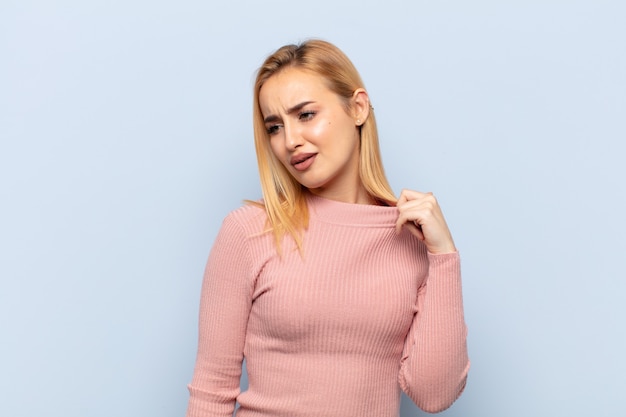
{"x":420,"y":212}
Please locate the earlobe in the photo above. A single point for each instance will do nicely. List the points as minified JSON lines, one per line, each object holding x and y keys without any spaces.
{"x":360,"y":105}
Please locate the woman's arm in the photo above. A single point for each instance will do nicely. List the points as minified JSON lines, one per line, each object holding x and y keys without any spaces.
{"x":224,"y":308}
{"x":434,"y":362}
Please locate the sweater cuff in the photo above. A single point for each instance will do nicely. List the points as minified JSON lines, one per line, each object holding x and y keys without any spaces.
{"x":443,"y":257}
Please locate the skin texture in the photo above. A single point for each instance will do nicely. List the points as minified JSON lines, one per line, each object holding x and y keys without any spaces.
{"x":322,"y":128}
{"x":420,"y":212}
{"x":305,"y":119}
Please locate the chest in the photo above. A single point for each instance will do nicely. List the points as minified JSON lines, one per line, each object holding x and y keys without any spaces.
{"x":338,"y":296}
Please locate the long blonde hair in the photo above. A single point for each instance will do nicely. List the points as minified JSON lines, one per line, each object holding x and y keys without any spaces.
{"x":284,"y":198}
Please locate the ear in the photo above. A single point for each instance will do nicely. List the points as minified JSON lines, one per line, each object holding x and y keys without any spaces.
{"x":360,"y":106}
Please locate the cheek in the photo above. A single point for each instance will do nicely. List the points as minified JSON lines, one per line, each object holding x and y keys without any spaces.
{"x":319,"y":131}
{"x":278,"y":150}
{"x":274,"y":148}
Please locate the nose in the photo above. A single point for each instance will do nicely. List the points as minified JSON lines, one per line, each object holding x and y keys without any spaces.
{"x":293,"y":138}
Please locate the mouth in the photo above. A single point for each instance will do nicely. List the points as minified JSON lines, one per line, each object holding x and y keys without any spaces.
{"x":302,"y":161}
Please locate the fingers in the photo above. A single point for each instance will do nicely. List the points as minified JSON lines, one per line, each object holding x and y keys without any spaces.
{"x":407,"y":195}
{"x":416,"y":207}
{"x":421,"y":214}
{"x":415,"y":230}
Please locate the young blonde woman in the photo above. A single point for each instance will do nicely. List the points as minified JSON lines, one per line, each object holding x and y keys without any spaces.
{"x":337,"y":294}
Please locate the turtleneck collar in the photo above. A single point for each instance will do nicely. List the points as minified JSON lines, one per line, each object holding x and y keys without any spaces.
{"x":349,"y":214}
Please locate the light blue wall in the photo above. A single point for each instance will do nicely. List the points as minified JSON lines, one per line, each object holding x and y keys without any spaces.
{"x":125,"y":138}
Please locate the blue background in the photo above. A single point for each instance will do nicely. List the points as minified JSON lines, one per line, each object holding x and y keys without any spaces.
{"x":126,"y":137}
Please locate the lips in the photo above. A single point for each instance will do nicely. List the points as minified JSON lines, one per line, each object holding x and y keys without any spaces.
{"x":302,"y":161}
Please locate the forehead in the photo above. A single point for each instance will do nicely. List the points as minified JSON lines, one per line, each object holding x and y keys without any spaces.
{"x":292,"y":86}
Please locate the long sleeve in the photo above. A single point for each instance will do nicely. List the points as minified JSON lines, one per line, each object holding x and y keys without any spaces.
{"x":435,"y":362}
{"x":336,"y":330}
{"x":226,"y":300}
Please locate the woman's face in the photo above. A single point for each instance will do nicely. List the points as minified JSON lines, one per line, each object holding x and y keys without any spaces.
{"x":311,"y":133}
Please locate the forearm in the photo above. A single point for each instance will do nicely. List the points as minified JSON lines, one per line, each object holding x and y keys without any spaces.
{"x":210,"y":404}
{"x":224,"y":310}
{"x":435,"y":361}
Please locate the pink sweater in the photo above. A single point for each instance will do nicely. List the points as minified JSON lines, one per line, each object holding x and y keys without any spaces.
{"x":335,"y":333}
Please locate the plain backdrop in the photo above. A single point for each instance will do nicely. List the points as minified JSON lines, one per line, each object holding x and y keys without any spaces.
{"x":126,"y":137}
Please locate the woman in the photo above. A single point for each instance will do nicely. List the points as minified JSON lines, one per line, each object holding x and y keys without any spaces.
{"x":336,"y":294}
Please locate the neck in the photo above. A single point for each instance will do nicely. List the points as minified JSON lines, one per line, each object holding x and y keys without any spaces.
{"x":355,"y":195}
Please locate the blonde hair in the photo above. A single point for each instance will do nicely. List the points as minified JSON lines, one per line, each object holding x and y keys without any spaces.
{"x":284,"y":198}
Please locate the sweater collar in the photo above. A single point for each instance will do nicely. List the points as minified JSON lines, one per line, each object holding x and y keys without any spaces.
{"x":349,"y":214}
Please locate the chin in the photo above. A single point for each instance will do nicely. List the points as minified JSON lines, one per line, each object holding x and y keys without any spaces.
{"x":309,"y":183}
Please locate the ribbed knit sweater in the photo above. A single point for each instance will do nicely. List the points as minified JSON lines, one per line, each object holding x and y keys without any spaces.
{"x":336,"y":331}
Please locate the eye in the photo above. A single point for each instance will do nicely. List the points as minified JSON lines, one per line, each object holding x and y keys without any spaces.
{"x":306,"y":115}
{"x":273,"y":129}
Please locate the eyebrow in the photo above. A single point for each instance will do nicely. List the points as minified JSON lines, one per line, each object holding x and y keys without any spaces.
{"x":273,"y":118}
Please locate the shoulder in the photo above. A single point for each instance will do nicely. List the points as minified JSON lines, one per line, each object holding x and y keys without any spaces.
{"x":249,"y":218}
{"x":243,"y":236}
